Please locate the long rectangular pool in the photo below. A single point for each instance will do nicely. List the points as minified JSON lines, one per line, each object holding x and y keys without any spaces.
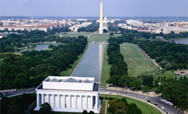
{"x":91,"y":63}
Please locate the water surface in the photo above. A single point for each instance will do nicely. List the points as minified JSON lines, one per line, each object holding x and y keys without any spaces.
{"x":90,"y":64}
{"x":181,"y":41}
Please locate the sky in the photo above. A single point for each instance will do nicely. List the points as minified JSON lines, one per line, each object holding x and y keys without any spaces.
{"x":90,"y":8}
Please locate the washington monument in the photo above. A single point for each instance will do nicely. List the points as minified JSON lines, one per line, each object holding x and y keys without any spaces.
{"x":101,"y":19}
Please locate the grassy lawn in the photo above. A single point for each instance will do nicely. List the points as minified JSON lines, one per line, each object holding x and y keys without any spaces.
{"x":144,"y":107}
{"x":74,"y":34}
{"x":70,"y":70}
{"x":105,"y":74}
{"x":167,"y":73}
{"x":138,"y":63}
{"x":98,"y":37}
{"x":116,"y":35}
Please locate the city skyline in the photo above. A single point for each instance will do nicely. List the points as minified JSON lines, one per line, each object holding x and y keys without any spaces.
{"x":85,"y":8}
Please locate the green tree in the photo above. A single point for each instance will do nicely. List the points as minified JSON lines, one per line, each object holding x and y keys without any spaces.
{"x":45,"y":109}
{"x":147,"y":80}
{"x":136,"y":84}
{"x":117,"y":107}
{"x":33,"y":46}
{"x":111,"y":33}
{"x":84,"y":112}
{"x":14,"y":109}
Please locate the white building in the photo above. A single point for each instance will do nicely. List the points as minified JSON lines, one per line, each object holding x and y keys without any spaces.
{"x":134,"y":22}
{"x":69,"y":94}
{"x":176,"y":30}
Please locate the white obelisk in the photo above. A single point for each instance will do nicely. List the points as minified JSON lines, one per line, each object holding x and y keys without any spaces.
{"x":101,"y":19}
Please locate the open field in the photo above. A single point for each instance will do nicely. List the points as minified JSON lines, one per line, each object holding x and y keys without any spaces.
{"x":105,"y":74}
{"x":98,"y":37}
{"x":73,"y":66}
{"x":116,"y":35}
{"x":138,"y":63}
{"x":167,"y":74}
{"x":144,"y":107}
{"x":74,"y":34}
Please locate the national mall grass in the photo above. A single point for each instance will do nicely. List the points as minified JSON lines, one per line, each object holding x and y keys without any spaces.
{"x":105,"y":74}
{"x":138,"y":63}
{"x":98,"y":37}
{"x":167,"y":74}
{"x":74,"y":34}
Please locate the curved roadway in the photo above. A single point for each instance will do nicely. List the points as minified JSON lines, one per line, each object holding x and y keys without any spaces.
{"x":153,"y":100}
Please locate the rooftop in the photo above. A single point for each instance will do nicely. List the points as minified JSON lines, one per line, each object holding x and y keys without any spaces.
{"x":69,"y":79}
{"x":69,"y":83}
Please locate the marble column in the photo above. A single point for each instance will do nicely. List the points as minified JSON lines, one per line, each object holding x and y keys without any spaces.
{"x":38,"y":95}
{"x":42,"y":97}
{"x":57,"y":100}
{"x":81,"y":102}
{"x":48,"y":98}
{"x":86,"y":101}
{"x":70,"y":102}
{"x":53,"y":101}
{"x":91,"y":102}
{"x":75,"y":106}
{"x":96,"y":102}
{"x":64,"y":104}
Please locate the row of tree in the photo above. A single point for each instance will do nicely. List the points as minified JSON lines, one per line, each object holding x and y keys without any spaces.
{"x":168,"y":55}
{"x":118,"y":66}
{"x":30,"y":68}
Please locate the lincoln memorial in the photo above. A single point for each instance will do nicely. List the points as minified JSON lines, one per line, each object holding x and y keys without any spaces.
{"x":69,"y":94}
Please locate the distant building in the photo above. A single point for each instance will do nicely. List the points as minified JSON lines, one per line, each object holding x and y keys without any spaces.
{"x":143,"y":29}
{"x":134,"y":22}
{"x":1,"y":36}
{"x":81,"y":19}
{"x":176,"y":30}
{"x":75,"y":28}
{"x":69,"y":94}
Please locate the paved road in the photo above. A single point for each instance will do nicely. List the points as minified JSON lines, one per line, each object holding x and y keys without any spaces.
{"x":154,"y":100}
{"x":19,"y":92}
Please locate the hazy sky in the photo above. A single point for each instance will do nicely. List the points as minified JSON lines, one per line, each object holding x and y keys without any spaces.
{"x":116,"y":8}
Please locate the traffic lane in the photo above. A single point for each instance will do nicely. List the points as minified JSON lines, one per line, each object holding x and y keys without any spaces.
{"x":156,"y":101}
{"x":153,"y":100}
{"x":123,"y":92}
{"x":30,"y":90}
